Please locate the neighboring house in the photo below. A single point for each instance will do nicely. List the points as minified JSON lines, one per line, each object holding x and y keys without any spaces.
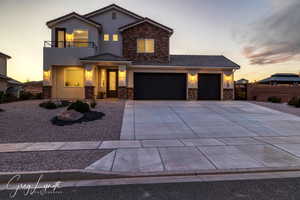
{"x":33,"y":87}
{"x":113,"y":52}
{"x":7,"y":84}
{"x":281,"y":78}
{"x":242,"y":81}
{"x":3,"y":72}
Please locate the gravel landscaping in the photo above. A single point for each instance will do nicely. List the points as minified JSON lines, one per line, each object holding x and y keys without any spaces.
{"x":283,"y":107}
{"x":27,"y":122}
{"x":49,"y":160}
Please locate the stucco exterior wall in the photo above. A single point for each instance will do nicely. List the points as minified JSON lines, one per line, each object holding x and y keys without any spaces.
{"x":3,"y":66}
{"x":74,"y":23}
{"x":111,"y":26}
{"x":58,"y":87}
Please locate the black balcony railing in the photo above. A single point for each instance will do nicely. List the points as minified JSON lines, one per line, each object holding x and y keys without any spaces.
{"x":65,"y":44}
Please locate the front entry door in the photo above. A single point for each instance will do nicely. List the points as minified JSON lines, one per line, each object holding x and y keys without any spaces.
{"x":112,"y":83}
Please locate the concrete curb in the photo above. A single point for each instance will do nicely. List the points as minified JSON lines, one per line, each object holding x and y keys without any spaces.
{"x":90,"y":177}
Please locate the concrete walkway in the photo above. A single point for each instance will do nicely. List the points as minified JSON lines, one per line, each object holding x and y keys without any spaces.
{"x":191,"y":136}
{"x":187,"y":136}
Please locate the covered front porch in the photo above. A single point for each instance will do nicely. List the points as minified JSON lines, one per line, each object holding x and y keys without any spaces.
{"x":99,"y":77}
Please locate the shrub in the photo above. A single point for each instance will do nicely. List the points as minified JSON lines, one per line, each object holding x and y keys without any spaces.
{"x":274,"y":99}
{"x":48,"y":105}
{"x":79,"y":106}
{"x":65,"y":103}
{"x":38,"y":96}
{"x":26,"y":95}
{"x":293,"y":101}
{"x":93,"y":103}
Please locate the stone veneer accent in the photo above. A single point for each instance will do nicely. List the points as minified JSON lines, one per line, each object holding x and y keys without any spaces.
{"x":89,"y":92}
{"x":228,"y":94}
{"x":122,"y":92}
{"x":47,"y":92}
{"x":130,"y":93}
{"x":192,"y":93}
{"x":146,"y":30}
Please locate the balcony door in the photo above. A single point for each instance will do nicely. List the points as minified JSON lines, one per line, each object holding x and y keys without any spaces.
{"x":60,"y":37}
{"x":112,"y":83}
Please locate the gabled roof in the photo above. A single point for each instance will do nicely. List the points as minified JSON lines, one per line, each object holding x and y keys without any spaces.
{"x":72,"y":15}
{"x":210,"y":61}
{"x":3,"y":54}
{"x":104,"y":57}
{"x":146,"y":20}
{"x":113,"y":6}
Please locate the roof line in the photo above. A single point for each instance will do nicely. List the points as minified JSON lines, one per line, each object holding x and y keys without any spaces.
{"x":5,"y":55}
{"x":122,"y":28}
{"x":72,"y":14}
{"x":111,"y":6}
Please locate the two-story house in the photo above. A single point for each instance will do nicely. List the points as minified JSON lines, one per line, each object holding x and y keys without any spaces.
{"x":113,"y":52}
{"x":3,"y":72}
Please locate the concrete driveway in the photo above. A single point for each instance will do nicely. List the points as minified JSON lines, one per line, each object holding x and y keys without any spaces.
{"x":160,"y":136}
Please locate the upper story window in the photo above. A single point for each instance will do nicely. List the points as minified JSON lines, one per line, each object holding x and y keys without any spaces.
{"x":145,"y":45}
{"x":115,"y":37}
{"x":106,"y":37}
{"x":78,"y":38}
{"x":114,"y":15}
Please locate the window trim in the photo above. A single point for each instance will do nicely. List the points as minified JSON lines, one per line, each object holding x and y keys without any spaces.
{"x":88,"y":36}
{"x":104,"y":37}
{"x":65,"y":74}
{"x":113,"y":39}
{"x":140,"y":52}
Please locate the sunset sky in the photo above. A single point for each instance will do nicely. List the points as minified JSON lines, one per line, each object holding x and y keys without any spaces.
{"x":262,"y":36}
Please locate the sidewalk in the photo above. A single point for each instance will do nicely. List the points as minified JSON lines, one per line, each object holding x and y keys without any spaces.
{"x":139,"y":156}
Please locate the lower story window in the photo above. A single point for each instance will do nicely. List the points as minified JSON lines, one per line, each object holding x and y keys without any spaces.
{"x":73,"y":77}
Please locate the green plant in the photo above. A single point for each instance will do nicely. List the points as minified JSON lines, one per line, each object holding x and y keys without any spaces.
{"x":38,"y":96}
{"x":93,"y":103}
{"x":274,"y":99}
{"x":26,"y":95}
{"x":79,"y":106}
{"x":65,"y":103}
{"x":48,"y":105}
{"x":293,"y":101}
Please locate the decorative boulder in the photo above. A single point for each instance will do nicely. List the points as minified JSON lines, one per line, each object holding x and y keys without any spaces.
{"x":69,"y":115}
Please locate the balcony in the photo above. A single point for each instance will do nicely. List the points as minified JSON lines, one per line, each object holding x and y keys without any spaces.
{"x":67,"y":53}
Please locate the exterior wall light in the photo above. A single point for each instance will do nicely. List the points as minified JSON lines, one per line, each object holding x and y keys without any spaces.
{"x":192,"y":80}
{"x":228,"y":81}
{"x":47,"y":77}
{"x":89,"y":75}
{"x":122,"y":76}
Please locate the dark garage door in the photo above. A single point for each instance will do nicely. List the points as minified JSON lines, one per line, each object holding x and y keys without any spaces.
{"x":209,"y":86}
{"x":156,"y":86}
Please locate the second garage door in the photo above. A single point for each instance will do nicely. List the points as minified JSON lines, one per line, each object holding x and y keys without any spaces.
{"x":160,"y":86}
{"x":209,"y":86}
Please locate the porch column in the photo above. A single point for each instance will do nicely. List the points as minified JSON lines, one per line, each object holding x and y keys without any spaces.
{"x":192,"y":85}
{"x":89,"y":81}
{"x":122,"y":82}
{"x":228,"y":85}
{"x":47,"y":82}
